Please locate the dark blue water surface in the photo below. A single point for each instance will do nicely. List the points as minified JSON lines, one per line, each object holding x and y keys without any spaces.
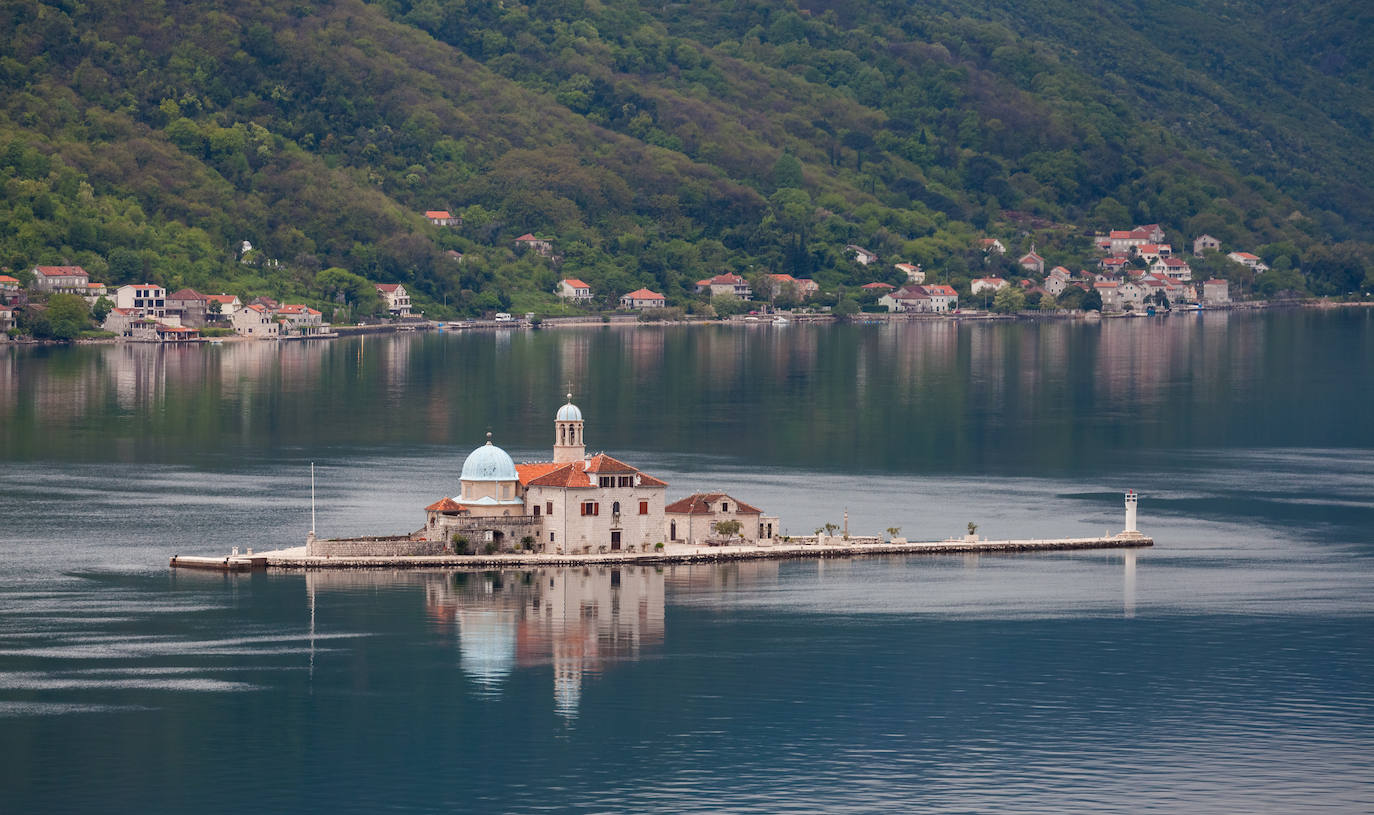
{"x":1227,"y":669}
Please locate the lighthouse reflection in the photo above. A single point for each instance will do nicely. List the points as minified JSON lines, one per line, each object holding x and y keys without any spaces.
{"x":577,"y":620}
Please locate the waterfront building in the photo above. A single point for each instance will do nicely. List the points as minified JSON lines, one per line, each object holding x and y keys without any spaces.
{"x":254,"y":320}
{"x":570,"y":288}
{"x":145,"y":299}
{"x":189,"y":305}
{"x":694,"y":519}
{"x":396,"y":297}
{"x":642,"y":298}
{"x":575,"y":503}
{"x":65,"y":279}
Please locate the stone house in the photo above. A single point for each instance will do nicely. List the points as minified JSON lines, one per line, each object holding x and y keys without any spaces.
{"x":256,"y":321}
{"x":913,"y":272}
{"x":1205,"y":243}
{"x":1176,"y":268}
{"x":64,"y":279}
{"x":908,"y":300}
{"x":189,"y":306}
{"x":693,"y":519}
{"x":301,"y":321}
{"x":861,"y":255}
{"x":942,"y":298}
{"x":728,"y":283}
{"x":543,"y":246}
{"x":1216,"y":291}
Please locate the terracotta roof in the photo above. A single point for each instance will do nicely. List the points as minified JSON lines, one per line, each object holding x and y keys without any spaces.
{"x":387,"y":287}
{"x":444,"y":504}
{"x":1245,"y":255}
{"x":575,"y":283}
{"x":4,"y":278}
{"x":59,"y":271}
{"x":602,"y":463}
{"x":528,"y":236}
{"x":226,"y":299}
{"x":562,"y":475}
{"x":296,"y":308}
{"x":186,"y":294}
{"x":877,"y":286}
{"x":947,"y":291}
{"x":1106,"y":284}
{"x":1030,"y":256}
{"x":784,"y":278}
{"x":727,"y":279}
{"x":698,"y":504}
{"x":645,"y":294}
{"x":437,"y":213}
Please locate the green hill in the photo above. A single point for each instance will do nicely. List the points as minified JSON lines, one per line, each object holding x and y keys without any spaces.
{"x":661,"y":143}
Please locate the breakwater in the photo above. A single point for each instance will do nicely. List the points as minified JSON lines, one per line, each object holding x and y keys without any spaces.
{"x":296,"y":559}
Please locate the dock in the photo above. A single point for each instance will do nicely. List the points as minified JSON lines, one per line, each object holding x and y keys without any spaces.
{"x":295,"y":558}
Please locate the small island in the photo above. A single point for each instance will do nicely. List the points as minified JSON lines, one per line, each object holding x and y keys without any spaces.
{"x":580,"y":508}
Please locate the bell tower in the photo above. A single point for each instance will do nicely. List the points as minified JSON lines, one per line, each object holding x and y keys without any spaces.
{"x":568,"y":444}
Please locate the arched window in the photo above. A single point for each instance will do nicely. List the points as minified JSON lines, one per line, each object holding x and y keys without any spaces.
{"x":615,"y":507}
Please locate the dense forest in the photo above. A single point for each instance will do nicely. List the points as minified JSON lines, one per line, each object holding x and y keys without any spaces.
{"x":657,"y":144}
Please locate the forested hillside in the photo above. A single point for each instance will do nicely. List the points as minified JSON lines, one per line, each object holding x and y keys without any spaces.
{"x":660,"y":143}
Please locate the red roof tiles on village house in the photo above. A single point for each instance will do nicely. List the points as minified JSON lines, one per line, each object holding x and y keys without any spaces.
{"x":4,"y":278}
{"x":186,"y":294}
{"x":59,"y":271}
{"x":387,"y":287}
{"x":699,"y":504}
{"x":645,"y":294}
{"x":877,"y":286}
{"x":437,"y":213}
{"x":575,"y":283}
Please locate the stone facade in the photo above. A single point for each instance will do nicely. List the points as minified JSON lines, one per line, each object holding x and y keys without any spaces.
{"x":375,"y":547}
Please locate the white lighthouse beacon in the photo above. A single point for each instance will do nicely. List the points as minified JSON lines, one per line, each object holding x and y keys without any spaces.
{"x":1131,"y":499}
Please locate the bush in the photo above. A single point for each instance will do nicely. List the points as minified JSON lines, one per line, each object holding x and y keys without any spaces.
{"x":460,"y":544}
{"x":658,"y":547}
{"x":216,"y":331}
{"x":527,"y":542}
{"x":490,"y":548}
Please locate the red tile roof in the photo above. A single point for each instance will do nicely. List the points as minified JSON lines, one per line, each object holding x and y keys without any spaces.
{"x":4,"y":278}
{"x":387,"y":287}
{"x":645,"y":294}
{"x":297,"y":308}
{"x":226,"y":299}
{"x":186,"y":294}
{"x":59,"y":271}
{"x":877,"y":286}
{"x":575,"y":283}
{"x":445,"y":504}
{"x":437,"y":213}
{"x":699,"y":504}
{"x":947,"y":291}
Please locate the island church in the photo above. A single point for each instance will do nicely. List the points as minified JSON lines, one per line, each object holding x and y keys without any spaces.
{"x":573,"y":504}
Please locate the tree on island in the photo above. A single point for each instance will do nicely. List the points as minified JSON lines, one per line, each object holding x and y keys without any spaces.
{"x":893,"y":530}
{"x":972,"y":528}
{"x":727,"y":528}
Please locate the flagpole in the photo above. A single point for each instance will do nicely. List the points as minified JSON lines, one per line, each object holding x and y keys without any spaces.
{"x":312,"y":498}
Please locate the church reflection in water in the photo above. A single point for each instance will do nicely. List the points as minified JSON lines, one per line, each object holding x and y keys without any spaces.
{"x":578,"y":620}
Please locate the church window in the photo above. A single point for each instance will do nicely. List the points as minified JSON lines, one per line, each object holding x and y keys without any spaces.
{"x":643,"y":507}
{"x":615,"y":508}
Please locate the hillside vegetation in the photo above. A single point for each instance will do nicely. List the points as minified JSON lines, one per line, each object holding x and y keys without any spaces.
{"x":661,"y":143}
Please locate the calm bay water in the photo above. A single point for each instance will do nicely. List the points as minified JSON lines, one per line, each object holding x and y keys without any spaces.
{"x":1225,"y":670}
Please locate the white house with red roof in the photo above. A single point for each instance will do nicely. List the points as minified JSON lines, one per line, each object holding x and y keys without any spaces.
{"x":992,"y":246}
{"x":301,"y":321}
{"x":693,"y":520}
{"x":1176,"y":268}
{"x":64,"y":279}
{"x":642,"y":299}
{"x":228,"y":304}
{"x":1249,"y":260}
{"x":1113,"y":265}
{"x":396,"y":297}
{"x":990,"y":284}
{"x":6,"y":318}
{"x":860,"y":254}
{"x":543,"y":246}
{"x":146,"y":299}
{"x":570,"y":288}
{"x":442,"y":217}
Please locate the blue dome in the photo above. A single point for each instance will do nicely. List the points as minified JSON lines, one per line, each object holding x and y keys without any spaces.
{"x":488,"y":463}
{"x":569,"y":412}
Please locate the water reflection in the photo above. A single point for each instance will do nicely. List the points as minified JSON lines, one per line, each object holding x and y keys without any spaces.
{"x":579,"y":621}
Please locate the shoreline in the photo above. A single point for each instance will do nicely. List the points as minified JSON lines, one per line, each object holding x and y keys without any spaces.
{"x":295,"y":559}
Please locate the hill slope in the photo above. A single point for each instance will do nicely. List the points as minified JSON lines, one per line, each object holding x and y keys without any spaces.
{"x":656,"y":143}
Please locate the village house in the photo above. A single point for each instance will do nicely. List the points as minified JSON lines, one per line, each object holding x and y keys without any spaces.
{"x":642,"y":299}
{"x":454,"y":255}
{"x":144,"y":329}
{"x":543,"y":246}
{"x":1176,"y":268}
{"x":989,"y":284}
{"x":228,"y":304}
{"x":728,"y":283}
{"x":992,"y":246}
{"x":1216,"y":292}
{"x":1113,"y":265}
{"x":1055,"y":285}
{"x":301,"y":321}
{"x":860,"y":254}
{"x":1150,"y":252}
{"x":1110,"y":292}
{"x":255,"y":320}
{"x":1032,"y":262}
{"x":877,"y":287}
{"x":909,"y":299}
{"x":188,"y":306}
{"x":1248,"y":260}
{"x":146,"y":299}
{"x":6,"y":318}
{"x":442,"y":217}
{"x":913,"y":272}
{"x":1123,"y":241}
{"x":942,"y":298}
{"x":694,"y":519}
{"x":1205,"y":243}
{"x":119,"y":321}
{"x":11,"y":291}
{"x":801,"y":287}
{"x":396,"y":297}
{"x":1131,"y":294}
{"x":570,"y":288}
{"x":60,"y":279}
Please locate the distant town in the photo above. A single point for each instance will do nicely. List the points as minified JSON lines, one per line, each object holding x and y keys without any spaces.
{"x":1136,"y":272}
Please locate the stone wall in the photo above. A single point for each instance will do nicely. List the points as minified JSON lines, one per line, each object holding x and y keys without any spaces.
{"x":375,"y":547}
